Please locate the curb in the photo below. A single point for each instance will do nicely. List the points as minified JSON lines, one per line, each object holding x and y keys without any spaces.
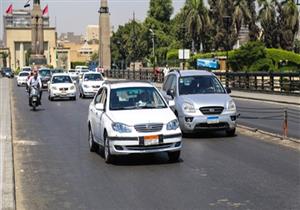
{"x":268,"y":100}
{"x":7,"y":191}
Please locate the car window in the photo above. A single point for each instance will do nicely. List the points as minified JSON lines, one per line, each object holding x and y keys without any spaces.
{"x":135,"y":98}
{"x":93,"y":77}
{"x":103,"y":97}
{"x":200,"y":85}
{"x":24,"y":74}
{"x":98,"y":96}
{"x":61,"y":79}
{"x":173,"y":84}
{"x":44,"y":72}
{"x":167,"y":84}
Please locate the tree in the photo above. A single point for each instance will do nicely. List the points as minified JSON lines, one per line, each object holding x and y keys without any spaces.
{"x":253,"y":28}
{"x":197,"y":21}
{"x":267,"y":16}
{"x":161,"y":10}
{"x":288,"y":20}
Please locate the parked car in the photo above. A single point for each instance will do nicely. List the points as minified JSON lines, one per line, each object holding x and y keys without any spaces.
{"x":201,"y":101}
{"x":7,"y":72}
{"x":90,"y":84}
{"x":55,"y":71}
{"x":26,"y":68}
{"x":22,"y":78}
{"x":61,"y":86}
{"x":132,"y":118}
{"x":80,"y":70}
{"x":73,"y":74}
{"x":45,"y":75}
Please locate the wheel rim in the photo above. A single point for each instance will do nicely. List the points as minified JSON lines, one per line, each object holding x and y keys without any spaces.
{"x":90,"y":138}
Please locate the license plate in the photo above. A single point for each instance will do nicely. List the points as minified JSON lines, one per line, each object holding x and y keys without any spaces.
{"x":212,"y":120}
{"x":34,"y":99}
{"x":151,"y":140}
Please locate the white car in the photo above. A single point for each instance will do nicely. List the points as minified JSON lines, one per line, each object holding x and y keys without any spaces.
{"x":132,"y":118}
{"x":73,"y":74}
{"x":22,"y":78}
{"x":26,"y":68}
{"x":61,"y":86}
{"x":80,"y":70}
{"x":90,"y":84}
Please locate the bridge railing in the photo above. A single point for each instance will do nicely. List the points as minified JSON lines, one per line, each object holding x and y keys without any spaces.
{"x":287,"y":83}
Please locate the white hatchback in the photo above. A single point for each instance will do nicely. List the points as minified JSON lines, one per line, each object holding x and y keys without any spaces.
{"x":61,"y":86}
{"x":132,"y":118}
{"x":22,"y":78}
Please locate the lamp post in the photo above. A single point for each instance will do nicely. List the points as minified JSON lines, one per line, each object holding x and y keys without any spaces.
{"x":153,"y":48}
{"x":226,"y":20}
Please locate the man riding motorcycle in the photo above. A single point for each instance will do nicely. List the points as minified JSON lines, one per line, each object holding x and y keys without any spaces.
{"x":35,"y":81}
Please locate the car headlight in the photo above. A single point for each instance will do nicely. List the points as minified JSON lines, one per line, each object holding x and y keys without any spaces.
{"x":54,"y":88}
{"x":72,"y":87}
{"x":188,"y":108}
{"x":121,"y":128}
{"x":86,"y":86}
{"x":231,"y":106}
{"x":173,"y":125}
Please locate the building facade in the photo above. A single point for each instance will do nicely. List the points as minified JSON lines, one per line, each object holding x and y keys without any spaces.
{"x":17,"y":38}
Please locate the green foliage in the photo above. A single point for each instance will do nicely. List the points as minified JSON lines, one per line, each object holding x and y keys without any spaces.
{"x":297,"y":46}
{"x":264,"y":64}
{"x":77,"y":63}
{"x":161,"y":10}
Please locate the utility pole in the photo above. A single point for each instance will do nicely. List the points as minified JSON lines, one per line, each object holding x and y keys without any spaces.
{"x":153,"y":48}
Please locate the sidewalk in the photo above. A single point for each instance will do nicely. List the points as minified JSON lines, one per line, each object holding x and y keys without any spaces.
{"x":285,"y":99}
{"x":7,"y":198}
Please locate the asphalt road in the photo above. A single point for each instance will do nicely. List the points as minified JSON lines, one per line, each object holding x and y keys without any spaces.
{"x":55,"y":170}
{"x":269,"y":116}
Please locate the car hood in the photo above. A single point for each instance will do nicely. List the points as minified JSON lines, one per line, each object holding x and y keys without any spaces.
{"x":142,"y":116}
{"x":60,"y":85}
{"x":92,"y":82}
{"x":202,"y":100}
{"x":22,"y":77}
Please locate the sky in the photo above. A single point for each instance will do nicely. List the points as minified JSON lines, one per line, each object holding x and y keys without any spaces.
{"x":75,"y":15}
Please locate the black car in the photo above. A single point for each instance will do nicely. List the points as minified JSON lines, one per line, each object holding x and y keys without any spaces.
{"x":45,"y":75}
{"x":7,"y":72}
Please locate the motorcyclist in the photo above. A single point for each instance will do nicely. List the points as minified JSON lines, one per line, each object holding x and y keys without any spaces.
{"x":35,"y":81}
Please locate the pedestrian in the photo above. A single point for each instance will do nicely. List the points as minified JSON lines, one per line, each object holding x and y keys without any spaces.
{"x":166,"y":70}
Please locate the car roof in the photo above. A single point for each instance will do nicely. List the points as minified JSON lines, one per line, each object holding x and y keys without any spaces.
{"x":26,"y":72}
{"x":192,"y":72}
{"x":61,"y":74}
{"x":127,"y":83}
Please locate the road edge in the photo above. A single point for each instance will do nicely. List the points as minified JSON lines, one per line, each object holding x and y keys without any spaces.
{"x":269,"y":137}
{"x":266,"y":100}
{"x":8,"y":180}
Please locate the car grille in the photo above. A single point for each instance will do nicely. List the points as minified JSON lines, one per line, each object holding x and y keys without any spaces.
{"x":63,"y":89}
{"x":211,"y":110}
{"x":146,"y":128}
{"x":202,"y":126}
{"x":152,"y":147}
{"x":96,"y":86}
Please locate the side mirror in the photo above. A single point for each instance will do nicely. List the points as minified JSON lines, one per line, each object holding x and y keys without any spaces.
{"x":48,"y":83}
{"x":228,"y":90}
{"x":171,"y":103}
{"x":99,"y":107}
{"x":171,"y":93}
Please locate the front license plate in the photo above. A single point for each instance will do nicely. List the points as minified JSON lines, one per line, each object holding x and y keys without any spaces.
{"x":34,"y":99}
{"x":151,"y":140}
{"x":212,"y":120}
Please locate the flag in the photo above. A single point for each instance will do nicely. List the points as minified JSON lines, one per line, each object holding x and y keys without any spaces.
{"x":9,"y":10}
{"x":45,"y":10}
{"x":27,"y":4}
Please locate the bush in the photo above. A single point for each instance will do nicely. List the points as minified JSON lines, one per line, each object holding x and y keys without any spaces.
{"x":77,"y":63}
{"x":278,"y":55}
{"x":264,"y":64}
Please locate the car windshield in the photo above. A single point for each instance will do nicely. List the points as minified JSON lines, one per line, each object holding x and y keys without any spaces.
{"x":45,"y":72}
{"x":61,"y":79}
{"x":135,"y":98}
{"x":57,"y":71}
{"x":72,"y":71}
{"x":7,"y":70}
{"x":84,"y":70}
{"x":26,"y":69}
{"x":24,"y":74}
{"x":200,"y":85}
{"x":93,"y":77}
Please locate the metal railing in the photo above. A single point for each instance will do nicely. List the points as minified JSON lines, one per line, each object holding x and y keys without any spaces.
{"x":286,"y":83}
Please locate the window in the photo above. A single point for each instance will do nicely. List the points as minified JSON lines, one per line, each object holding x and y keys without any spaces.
{"x":167,"y":84}
{"x":98,"y":96}
{"x":61,"y":79}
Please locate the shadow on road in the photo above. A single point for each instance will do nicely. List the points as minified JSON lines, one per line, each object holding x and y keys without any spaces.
{"x":207,"y":135}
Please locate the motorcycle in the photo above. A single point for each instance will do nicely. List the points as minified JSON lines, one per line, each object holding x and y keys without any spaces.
{"x":34,"y":97}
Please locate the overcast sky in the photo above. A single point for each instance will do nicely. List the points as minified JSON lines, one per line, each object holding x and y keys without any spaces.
{"x":75,"y":15}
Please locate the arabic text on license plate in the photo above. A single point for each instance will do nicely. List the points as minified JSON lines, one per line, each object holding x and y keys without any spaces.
{"x":212,"y":120}
{"x":151,"y":140}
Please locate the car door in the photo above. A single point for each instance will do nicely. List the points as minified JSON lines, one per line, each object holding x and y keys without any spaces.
{"x":99,"y":115}
{"x":94,"y":113}
{"x":102,"y":115}
{"x":170,"y":84}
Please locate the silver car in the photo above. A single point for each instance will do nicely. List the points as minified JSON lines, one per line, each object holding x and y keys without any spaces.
{"x":201,"y":101}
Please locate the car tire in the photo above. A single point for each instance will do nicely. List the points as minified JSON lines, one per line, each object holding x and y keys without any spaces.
{"x":80,"y":95}
{"x":230,"y":132}
{"x":174,"y":156}
{"x":50,"y":98}
{"x":92,"y":144}
{"x":107,"y":156}
{"x":73,"y":98}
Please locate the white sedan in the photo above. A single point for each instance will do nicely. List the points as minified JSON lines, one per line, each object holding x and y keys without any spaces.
{"x":22,"y":78}
{"x":132,"y":118}
{"x":61,"y":86}
{"x":90,"y":84}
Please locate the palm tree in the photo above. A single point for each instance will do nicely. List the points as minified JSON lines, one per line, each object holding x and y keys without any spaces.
{"x":267,"y":16}
{"x":197,"y":20}
{"x":253,"y":28}
{"x":241,"y":14}
{"x":288,"y":20}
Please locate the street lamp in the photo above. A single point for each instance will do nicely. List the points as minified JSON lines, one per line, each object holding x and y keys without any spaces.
{"x":153,"y":48}
{"x":226,"y":20}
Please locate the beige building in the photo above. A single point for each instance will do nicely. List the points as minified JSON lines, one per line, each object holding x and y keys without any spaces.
{"x":92,"y":33}
{"x":17,"y":38}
